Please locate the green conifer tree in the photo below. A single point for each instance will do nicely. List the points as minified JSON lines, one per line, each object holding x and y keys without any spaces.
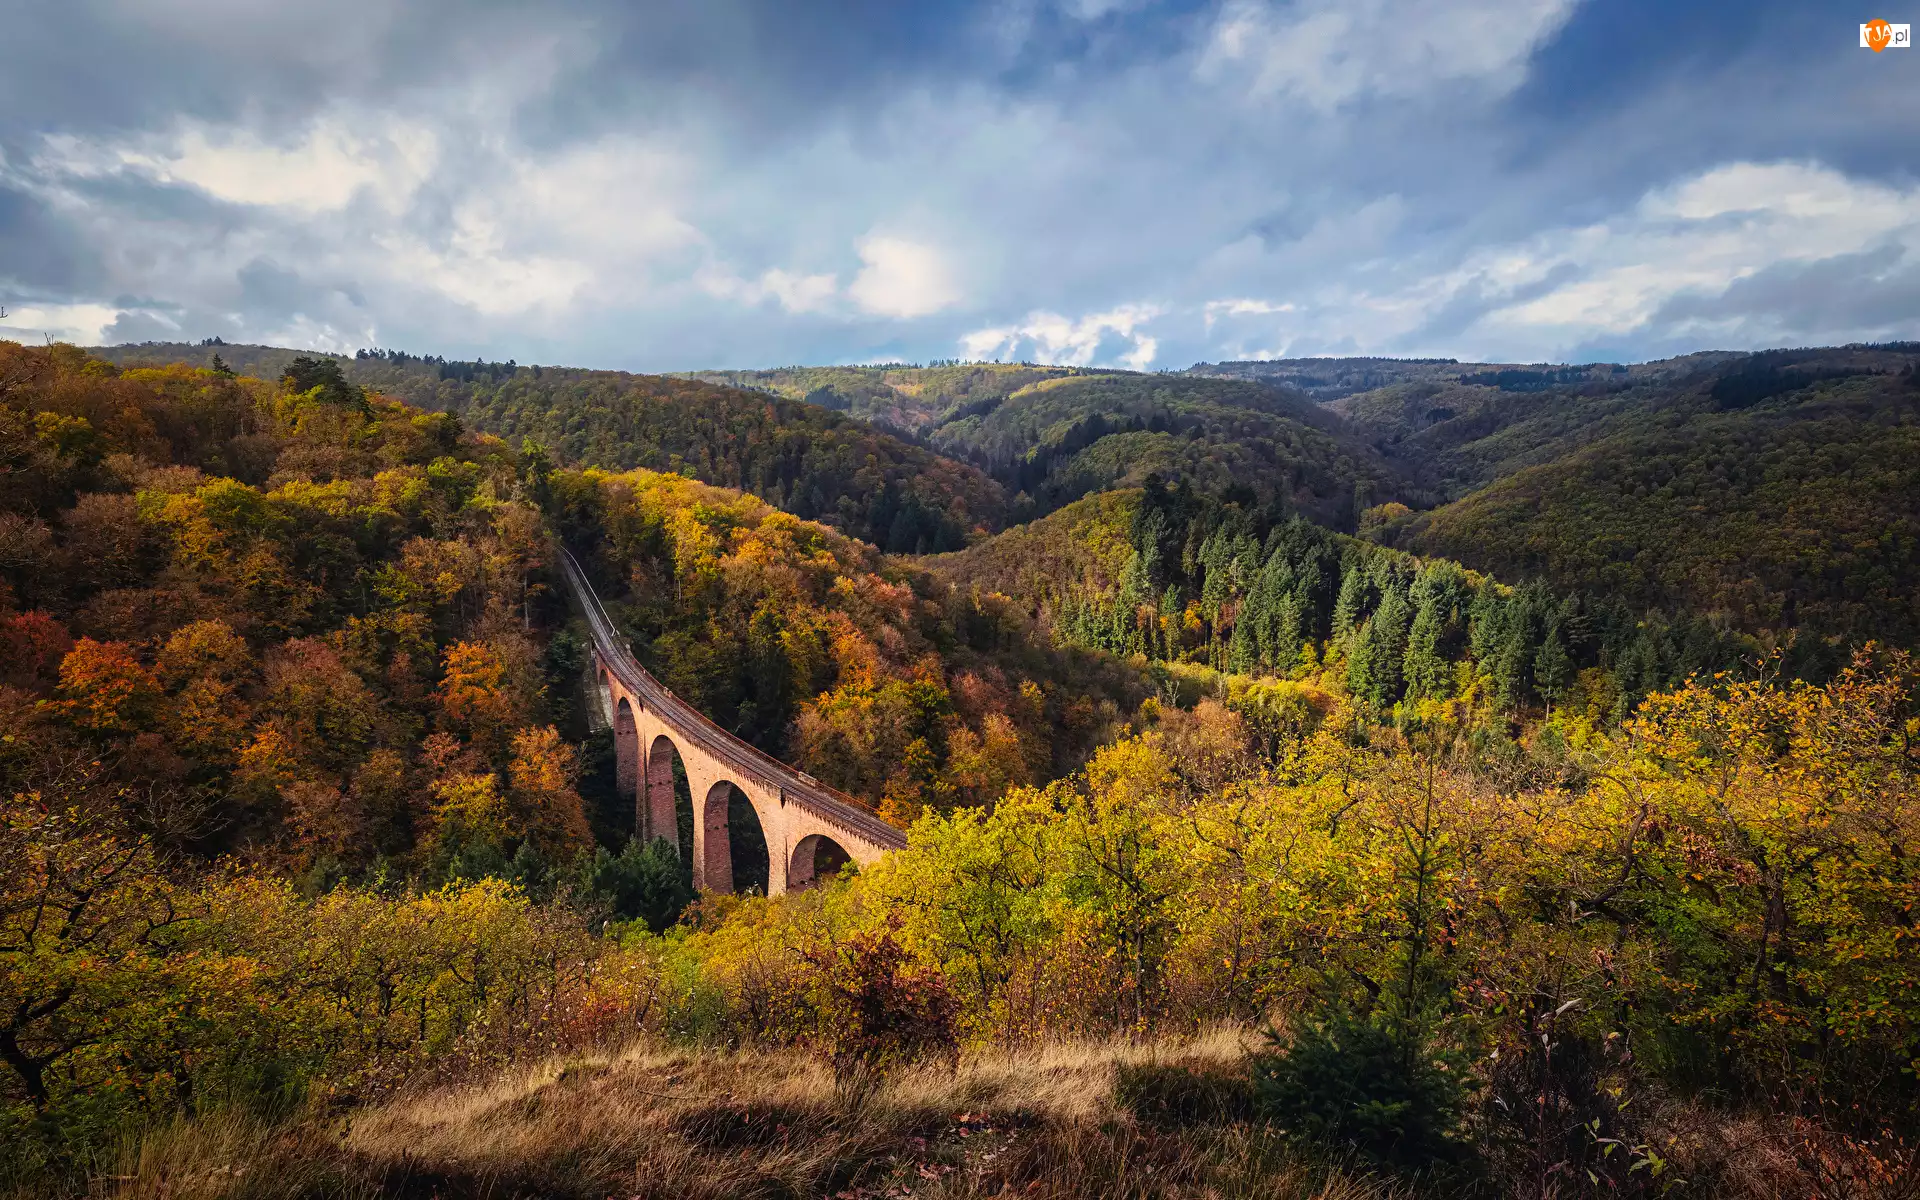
{"x":1172,"y":611}
{"x":1363,"y":679}
{"x":1427,"y":673}
{"x":1243,"y":655}
{"x":1510,"y":664}
{"x":1352,"y":604}
{"x":1136,"y":578}
{"x":1389,"y":625}
{"x":1552,"y":669}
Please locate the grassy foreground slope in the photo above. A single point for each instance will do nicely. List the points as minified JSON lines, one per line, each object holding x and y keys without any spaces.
{"x":654,"y":1120}
{"x":1166,"y":1118}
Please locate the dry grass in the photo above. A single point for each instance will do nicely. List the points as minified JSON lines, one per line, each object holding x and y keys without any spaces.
{"x":651,"y":1122}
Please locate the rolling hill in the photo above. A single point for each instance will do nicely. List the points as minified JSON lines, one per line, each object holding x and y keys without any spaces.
{"x":1462,"y":433}
{"x":801,"y":436}
{"x":812,"y":462}
{"x":1776,"y":493}
{"x":908,"y":399}
{"x":1060,"y":439}
{"x":1051,"y":435}
{"x":1773,"y":494}
{"x":1684,"y":515}
{"x":1251,"y":752}
{"x":1772,"y":510}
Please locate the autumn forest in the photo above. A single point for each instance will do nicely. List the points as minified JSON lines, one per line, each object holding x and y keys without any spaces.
{"x":1348,"y":778}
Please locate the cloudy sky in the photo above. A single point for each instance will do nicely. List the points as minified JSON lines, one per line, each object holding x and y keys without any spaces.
{"x":705,"y":183}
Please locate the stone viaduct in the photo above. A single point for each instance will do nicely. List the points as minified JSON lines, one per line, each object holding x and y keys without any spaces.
{"x":806,"y":823}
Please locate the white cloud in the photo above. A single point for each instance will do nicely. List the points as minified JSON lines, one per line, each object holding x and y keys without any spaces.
{"x":81,"y":324}
{"x":472,"y":268}
{"x":1216,"y":309}
{"x":1544,"y":297}
{"x":615,"y":201}
{"x":800,"y":293}
{"x":1330,"y":52}
{"x":308,"y":334}
{"x":902,"y":278}
{"x":1051,"y":338}
{"x":515,"y":236}
{"x":1699,"y":237}
{"x":601,"y":220}
{"x":793,"y":292}
{"x":320,"y":172}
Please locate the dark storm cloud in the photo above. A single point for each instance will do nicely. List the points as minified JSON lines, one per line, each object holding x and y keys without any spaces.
{"x":1632,"y":93}
{"x":1875,"y":293}
{"x":1480,"y":297}
{"x":40,"y":253}
{"x":122,"y":64}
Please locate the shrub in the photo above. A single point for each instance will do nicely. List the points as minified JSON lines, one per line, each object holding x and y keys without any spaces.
{"x":644,"y":883}
{"x":884,"y":1012}
{"x":1353,"y":1082}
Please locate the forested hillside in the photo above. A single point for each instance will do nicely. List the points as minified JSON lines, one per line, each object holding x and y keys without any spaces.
{"x":910,"y":398}
{"x":1480,"y":426}
{"x":309,"y":626}
{"x":1060,"y":439}
{"x":867,"y":673}
{"x":1330,"y":379}
{"x":1053,"y":434}
{"x":1779,"y":494}
{"x":811,"y":462}
{"x":268,"y":641}
{"x":1772,"y":494}
{"x":346,"y":576}
{"x":1178,"y":577}
{"x":311,"y":856}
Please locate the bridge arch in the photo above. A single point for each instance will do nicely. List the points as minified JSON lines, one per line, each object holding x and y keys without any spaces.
{"x":667,"y":791}
{"x":626,"y":753}
{"x":815,"y":858}
{"x":735,"y":854}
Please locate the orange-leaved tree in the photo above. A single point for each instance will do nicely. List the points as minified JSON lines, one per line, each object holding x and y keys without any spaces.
{"x":104,"y":688}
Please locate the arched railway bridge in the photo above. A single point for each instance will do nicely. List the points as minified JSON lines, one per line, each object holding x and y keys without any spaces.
{"x":807,"y":824}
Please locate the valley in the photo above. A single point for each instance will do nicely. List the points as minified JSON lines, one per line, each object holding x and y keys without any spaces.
{"x":1531,"y":746}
